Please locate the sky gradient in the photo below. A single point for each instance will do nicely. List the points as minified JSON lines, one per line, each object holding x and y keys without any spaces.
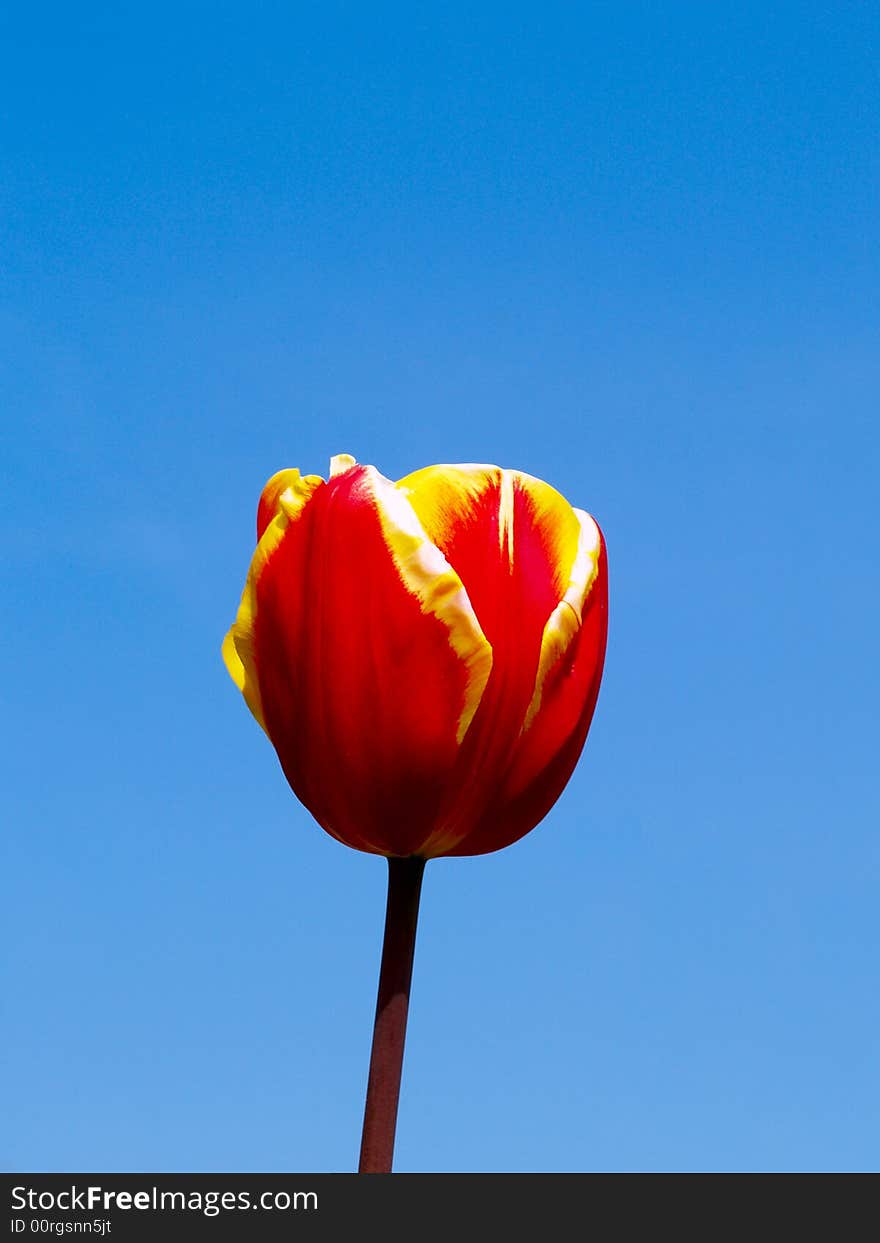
{"x":630,"y":249}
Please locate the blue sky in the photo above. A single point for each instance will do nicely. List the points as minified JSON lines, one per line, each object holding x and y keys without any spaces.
{"x":632,"y":249}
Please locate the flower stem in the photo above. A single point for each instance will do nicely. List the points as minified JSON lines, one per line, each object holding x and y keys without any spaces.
{"x":392,"y":1005}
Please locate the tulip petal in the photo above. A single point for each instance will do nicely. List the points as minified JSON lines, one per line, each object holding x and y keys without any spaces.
{"x":371,"y":662}
{"x":341,"y":462}
{"x":282,"y":502}
{"x":286,"y":491}
{"x":565,"y":620}
{"x":550,"y":744}
{"x":512,"y":538}
{"x":517,"y":545}
{"x":429,"y":577}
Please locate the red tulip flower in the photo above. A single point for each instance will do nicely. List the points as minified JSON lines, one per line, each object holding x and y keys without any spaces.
{"x":425,"y":657}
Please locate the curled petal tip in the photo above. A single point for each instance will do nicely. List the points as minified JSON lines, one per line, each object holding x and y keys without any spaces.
{"x":295,"y":495}
{"x":341,"y":462}
{"x":286,"y":491}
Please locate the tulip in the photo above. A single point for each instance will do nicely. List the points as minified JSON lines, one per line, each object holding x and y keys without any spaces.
{"x":425,"y":657}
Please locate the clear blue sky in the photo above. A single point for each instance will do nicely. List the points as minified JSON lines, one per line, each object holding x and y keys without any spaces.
{"x":633,"y":249}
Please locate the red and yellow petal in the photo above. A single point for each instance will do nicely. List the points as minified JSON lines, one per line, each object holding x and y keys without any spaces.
{"x":369,"y":659}
{"x":512,"y":539}
{"x":521,"y":551}
{"x":282,"y":502}
{"x":555,"y":730}
{"x":566,"y":619}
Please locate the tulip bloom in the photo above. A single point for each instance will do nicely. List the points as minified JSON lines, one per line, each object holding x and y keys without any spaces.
{"x":425,"y":657}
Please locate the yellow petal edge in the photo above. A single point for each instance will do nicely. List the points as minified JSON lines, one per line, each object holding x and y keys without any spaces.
{"x":565,"y":620}
{"x":427,"y":574}
{"x":293,"y":492}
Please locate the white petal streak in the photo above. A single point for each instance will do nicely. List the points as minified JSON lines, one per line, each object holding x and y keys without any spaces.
{"x":505,"y":514}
